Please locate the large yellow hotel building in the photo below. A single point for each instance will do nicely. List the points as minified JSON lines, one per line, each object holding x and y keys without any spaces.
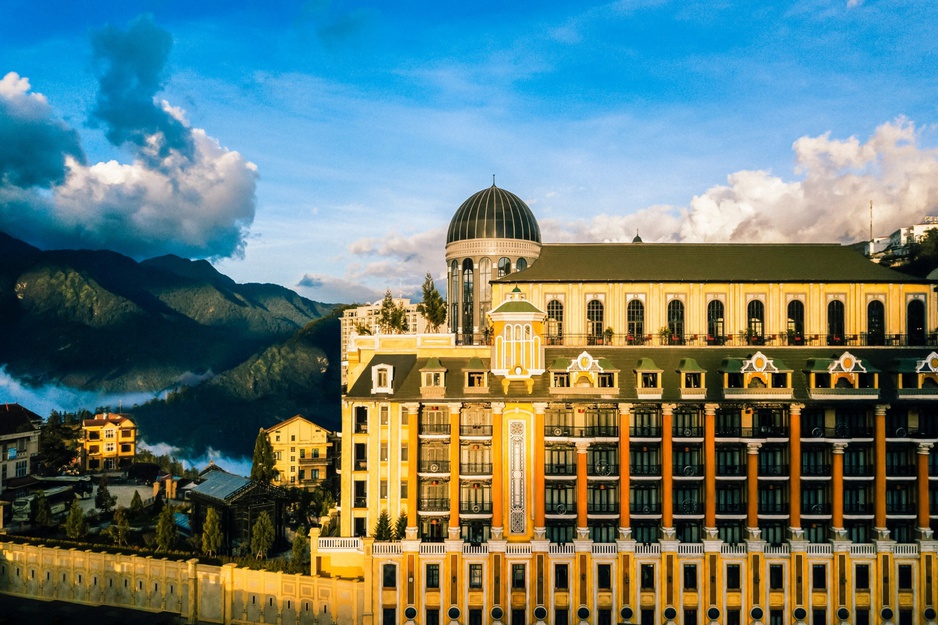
{"x":646,"y":433}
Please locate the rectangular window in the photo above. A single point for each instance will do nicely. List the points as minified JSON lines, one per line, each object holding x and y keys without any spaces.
{"x":21,"y":467}
{"x":383,"y":489}
{"x":819,"y":577}
{"x":403,"y":490}
{"x":475,"y":379}
{"x":433,"y":616}
{"x":690,"y":577}
{"x":862,"y":617}
{"x":475,"y":576}
{"x":732,"y":577}
{"x":777,"y":617}
{"x":905,"y":577}
{"x":109,"y":448}
{"x":604,"y":576}
{"x":302,"y":452}
{"x":383,"y":452}
{"x":389,"y":616}
{"x":384,"y":413}
{"x":732,"y":617}
{"x":776,"y":577}
{"x":108,"y":433}
{"x":561,"y":380}
{"x":433,"y":576}
{"x":302,"y":475}
{"x":404,"y":452}
{"x":517,"y":576}
{"x":475,"y":616}
{"x":314,"y":474}
{"x":819,"y":616}
{"x":560,"y":576}
{"x":690,"y":617}
{"x":604,"y":617}
{"x":861,"y":577}
{"x":561,"y":617}
{"x":607,"y":380}
{"x":389,"y":576}
{"x":648,"y":577}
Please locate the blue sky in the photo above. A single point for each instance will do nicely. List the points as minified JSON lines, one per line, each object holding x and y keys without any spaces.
{"x":325,"y":145}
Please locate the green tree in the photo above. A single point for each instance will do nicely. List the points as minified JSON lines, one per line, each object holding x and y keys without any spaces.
{"x":43,"y":511}
{"x":211,"y":533}
{"x":392,"y":318}
{"x":57,"y":445}
{"x":118,"y":529}
{"x":400,"y":527}
{"x":262,"y":465}
{"x":299,"y":553}
{"x":166,"y":531}
{"x":383,"y":526}
{"x":262,"y":536}
{"x":103,"y":499}
{"x":136,"y":504}
{"x":433,"y":306}
{"x":75,"y":525}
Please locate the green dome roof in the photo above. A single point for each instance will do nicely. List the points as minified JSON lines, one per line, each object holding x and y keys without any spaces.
{"x":493,"y":213}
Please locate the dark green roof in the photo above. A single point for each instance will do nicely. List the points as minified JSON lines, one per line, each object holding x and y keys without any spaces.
{"x":689,"y":364}
{"x":695,"y":262}
{"x":516,"y":306}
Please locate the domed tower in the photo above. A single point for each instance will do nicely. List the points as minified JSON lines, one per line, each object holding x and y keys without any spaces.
{"x":492,"y":234}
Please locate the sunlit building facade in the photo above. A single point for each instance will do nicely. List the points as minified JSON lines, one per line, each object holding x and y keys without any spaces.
{"x":646,"y":433}
{"x":108,"y":442}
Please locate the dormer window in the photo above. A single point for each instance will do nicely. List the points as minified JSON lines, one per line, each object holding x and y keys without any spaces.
{"x":476,"y":377}
{"x":649,"y":380}
{"x":433,"y":379}
{"x":692,"y":380}
{"x":560,"y":380}
{"x":382,"y":378}
{"x":607,"y":380}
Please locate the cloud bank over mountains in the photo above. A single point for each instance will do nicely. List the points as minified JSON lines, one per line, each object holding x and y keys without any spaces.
{"x":827,"y":201}
{"x":183,"y":193}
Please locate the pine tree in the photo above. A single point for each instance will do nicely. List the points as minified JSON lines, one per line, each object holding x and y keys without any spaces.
{"x":120,"y":526}
{"x":166,"y":532}
{"x":136,"y":504}
{"x":75,"y":525}
{"x":383,"y":526}
{"x":57,"y":448}
{"x":299,"y":554}
{"x":262,"y":465}
{"x":211,"y":533}
{"x":103,"y":499}
{"x":262,"y":535}
{"x":43,"y":511}
{"x":433,"y":306}
{"x":400,"y":527}
{"x":392,"y":318}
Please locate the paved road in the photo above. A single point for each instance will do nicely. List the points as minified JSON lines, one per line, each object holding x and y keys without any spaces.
{"x":16,"y":611}
{"x":123,"y":492}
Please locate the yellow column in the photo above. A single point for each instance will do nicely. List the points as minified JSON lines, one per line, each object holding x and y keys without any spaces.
{"x":710,"y":470}
{"x":413,"y":462}
{"x":540,"y":524}
{"x":667,"y":471}
{"x":794,"y":464}
{"x":924,"y":522}
{"x":837,"y":488}
{"x":582,"y":448}
{"x":625,"y":520}
{"x":752,"y":483}
{"x":454,"y":470}
{"x":498,"y":468}
{"x":879,"y":522}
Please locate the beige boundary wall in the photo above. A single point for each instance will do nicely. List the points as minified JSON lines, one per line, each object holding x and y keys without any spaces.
{"x":199,"y":593}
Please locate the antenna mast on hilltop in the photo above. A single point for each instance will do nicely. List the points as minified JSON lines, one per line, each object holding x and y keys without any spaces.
{"x":871,"y":221}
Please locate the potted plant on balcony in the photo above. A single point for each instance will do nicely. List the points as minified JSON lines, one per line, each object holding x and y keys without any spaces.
{"x":608,"y":333}
{"x":664,"y":333}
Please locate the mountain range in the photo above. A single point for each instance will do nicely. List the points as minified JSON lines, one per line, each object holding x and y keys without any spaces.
{"x":231,"y":357}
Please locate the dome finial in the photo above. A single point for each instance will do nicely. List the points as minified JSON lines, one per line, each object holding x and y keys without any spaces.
{"x":493,"y":180}
{"x":637,"y":238}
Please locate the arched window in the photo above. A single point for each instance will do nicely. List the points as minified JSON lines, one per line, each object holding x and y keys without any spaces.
{"x":676,"y":320}
{"x":635,"y":319}
{"x":835,"y":323}
{"x":595,"y":317}
{"x":795,"y":322}
{"x":504,"y":267}
{"x":467,"y":288}
{"x":876,"y":323}
{"x":715,"y":326}
{"x":915,"y":322}
{"x":453,"y":296}
{"x":485,"y":275}
{"x":555,"y":322}
{"x":756,"y":326}
{"x":521,"y":265}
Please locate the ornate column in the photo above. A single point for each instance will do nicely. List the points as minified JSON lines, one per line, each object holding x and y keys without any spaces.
{"x":454,"y":409}
{"x":879,"y":522}
{"x":710,"y":471}
{"x":498,"y":471}
{"x":924,"y":522}
{"x":667,"y":471}
{"x":413,"y":462}
{"x":837,"y":492}
{"x":625,"y":521}
{"x":582,"y":448}
{"x":752,"y":484}
{"x":540,"y":524}
{"x":794,"y":468}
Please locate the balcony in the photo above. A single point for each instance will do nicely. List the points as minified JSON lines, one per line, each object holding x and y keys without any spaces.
{"x":602,"y":469}
{"x":645,"y":508}
{"x":475,"y":430}
{"x":360,"y":464}
{"x":475,"y":468}
{"x":901,"y":470}
{"x":601,"y":431}
{"x":360,"y":502}
{"x":433,"y":505}
{"x":857,"y":508}
{"x":769,"y":507}
{"x":688,"y":507}
{"x":558,"y":469}
{"x":475,"y":507}
{"x":816,"y":470}
{"x":435,"y":428}
{"x":645,"y":431}
{"x":648,"y":470}
{"x":688,"y":431}
{"x":434,"y":466}
{"x":729,"y":431}
{"x":731,"y":507}
{"x":558,"y":431}
{"x":602,"y":507}
{"x":900,"y":507}
{"x":361,"y":428}
{"x":731,"y":470}
{"x":560,"y":508}
{"x":773,"y":470}
{"x":858,"y":470}
{"x":765,"y":431}
{"x":689,"y":469}
{"x":816,"y":509}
